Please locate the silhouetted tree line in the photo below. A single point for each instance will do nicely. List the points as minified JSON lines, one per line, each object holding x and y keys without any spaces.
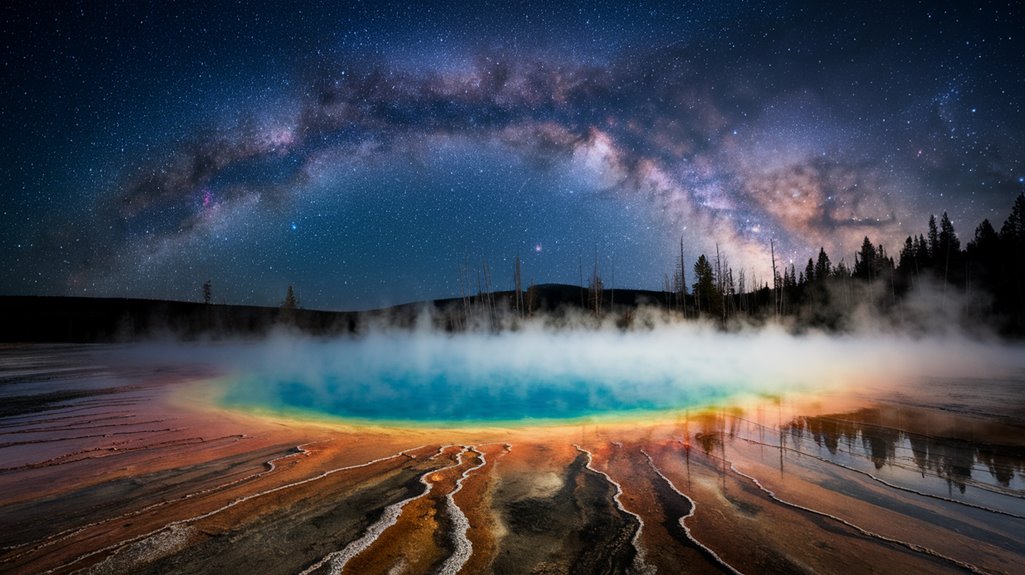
{"x":823,"y":293}
{"x":990,"y":268}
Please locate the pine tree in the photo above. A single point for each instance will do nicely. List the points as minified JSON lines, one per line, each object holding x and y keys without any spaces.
{"x":1013,"y":229}
{"x":865,"y":261}
{"x":921,"y":254}
{"x":704,"y":287}
{"x":842,"y":270}
{"x":948,"y":239}
{"x":207,"y":292}
{"x":790,"y":277}
{"x":290,"y":303}
{"x":948,"y":260}
{"x":907,"y":257}
{"x":1011,"y":292}
{"x":983,"y":253}
{"x":934,"y":240}
{"x":985,"y":237}
{"x":822,"y":266}
{"x":288,"y":307}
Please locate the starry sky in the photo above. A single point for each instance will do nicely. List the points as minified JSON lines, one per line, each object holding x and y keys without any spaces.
{"x":369,"y":152}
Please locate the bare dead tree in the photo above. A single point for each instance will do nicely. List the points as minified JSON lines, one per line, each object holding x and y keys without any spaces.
{"x":531,"y":298}
{"x":668,"y":289}
{"x":719,"y":282}
{"x":464,"y":290}
{"x":518,"y":281}
{"x":731,"y":292}
{"x":489,"y":294}
{"x":612,"y":285}
{"x":742,"y":287}
{"x":580,"y":265}
{"x":596,"y":288}
{"x":775,"y":279}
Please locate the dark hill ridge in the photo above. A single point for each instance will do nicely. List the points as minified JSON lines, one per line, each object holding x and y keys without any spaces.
{"x":83,"y":319}
{"x":80,"y":319}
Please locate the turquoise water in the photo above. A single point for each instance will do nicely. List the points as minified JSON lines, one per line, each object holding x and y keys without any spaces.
{"x":447,"y":397}
{"x":444,"y":398}
{"x":417,"y":378}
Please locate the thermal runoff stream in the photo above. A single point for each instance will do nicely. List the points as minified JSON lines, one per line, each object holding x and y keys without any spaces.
{"x":670,"y":450}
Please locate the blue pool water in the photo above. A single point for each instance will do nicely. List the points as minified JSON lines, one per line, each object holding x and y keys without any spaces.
{"x":506,"y":378}
{"x":447,"y":397}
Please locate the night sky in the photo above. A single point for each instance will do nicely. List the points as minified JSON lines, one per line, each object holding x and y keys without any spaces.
{"x":366,"y":152}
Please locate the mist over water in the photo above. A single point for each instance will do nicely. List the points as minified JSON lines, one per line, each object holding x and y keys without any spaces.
{"x":535,"y":374}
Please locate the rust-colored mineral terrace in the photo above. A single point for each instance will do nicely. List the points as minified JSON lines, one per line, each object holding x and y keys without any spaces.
{"x":109,"y":468}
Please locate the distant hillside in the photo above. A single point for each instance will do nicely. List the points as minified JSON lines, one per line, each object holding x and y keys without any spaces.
{"x":86,"y":320}
{"x":77,"y":319}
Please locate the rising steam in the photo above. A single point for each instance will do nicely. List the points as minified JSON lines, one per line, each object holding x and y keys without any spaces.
{"x":540,"y":374}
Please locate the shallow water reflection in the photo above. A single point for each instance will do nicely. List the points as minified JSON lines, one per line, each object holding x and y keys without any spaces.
{"x":958,"y":457}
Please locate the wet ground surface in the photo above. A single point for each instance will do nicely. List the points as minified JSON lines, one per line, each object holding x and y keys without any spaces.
{"x":111,"y":466}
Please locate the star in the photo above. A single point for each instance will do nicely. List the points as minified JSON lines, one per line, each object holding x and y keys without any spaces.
{"x":173,"y":149}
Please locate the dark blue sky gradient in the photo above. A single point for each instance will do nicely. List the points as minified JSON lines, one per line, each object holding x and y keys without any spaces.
{"x":367,"y":152}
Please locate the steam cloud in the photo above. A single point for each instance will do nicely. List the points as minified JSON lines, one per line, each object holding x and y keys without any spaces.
{"x":538,"y":373}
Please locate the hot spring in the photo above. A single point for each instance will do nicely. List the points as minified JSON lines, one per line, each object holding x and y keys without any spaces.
{"x":538,"y":376}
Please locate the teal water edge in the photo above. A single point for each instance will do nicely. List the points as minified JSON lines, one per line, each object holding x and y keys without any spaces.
{"x":452,"y":398}
{"x":514,"y":377}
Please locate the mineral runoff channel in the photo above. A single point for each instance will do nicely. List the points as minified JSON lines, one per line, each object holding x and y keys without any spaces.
{"x":113,"y":462}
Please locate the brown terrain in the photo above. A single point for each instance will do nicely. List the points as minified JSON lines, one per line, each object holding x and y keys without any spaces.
{"x":107,"y":468}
